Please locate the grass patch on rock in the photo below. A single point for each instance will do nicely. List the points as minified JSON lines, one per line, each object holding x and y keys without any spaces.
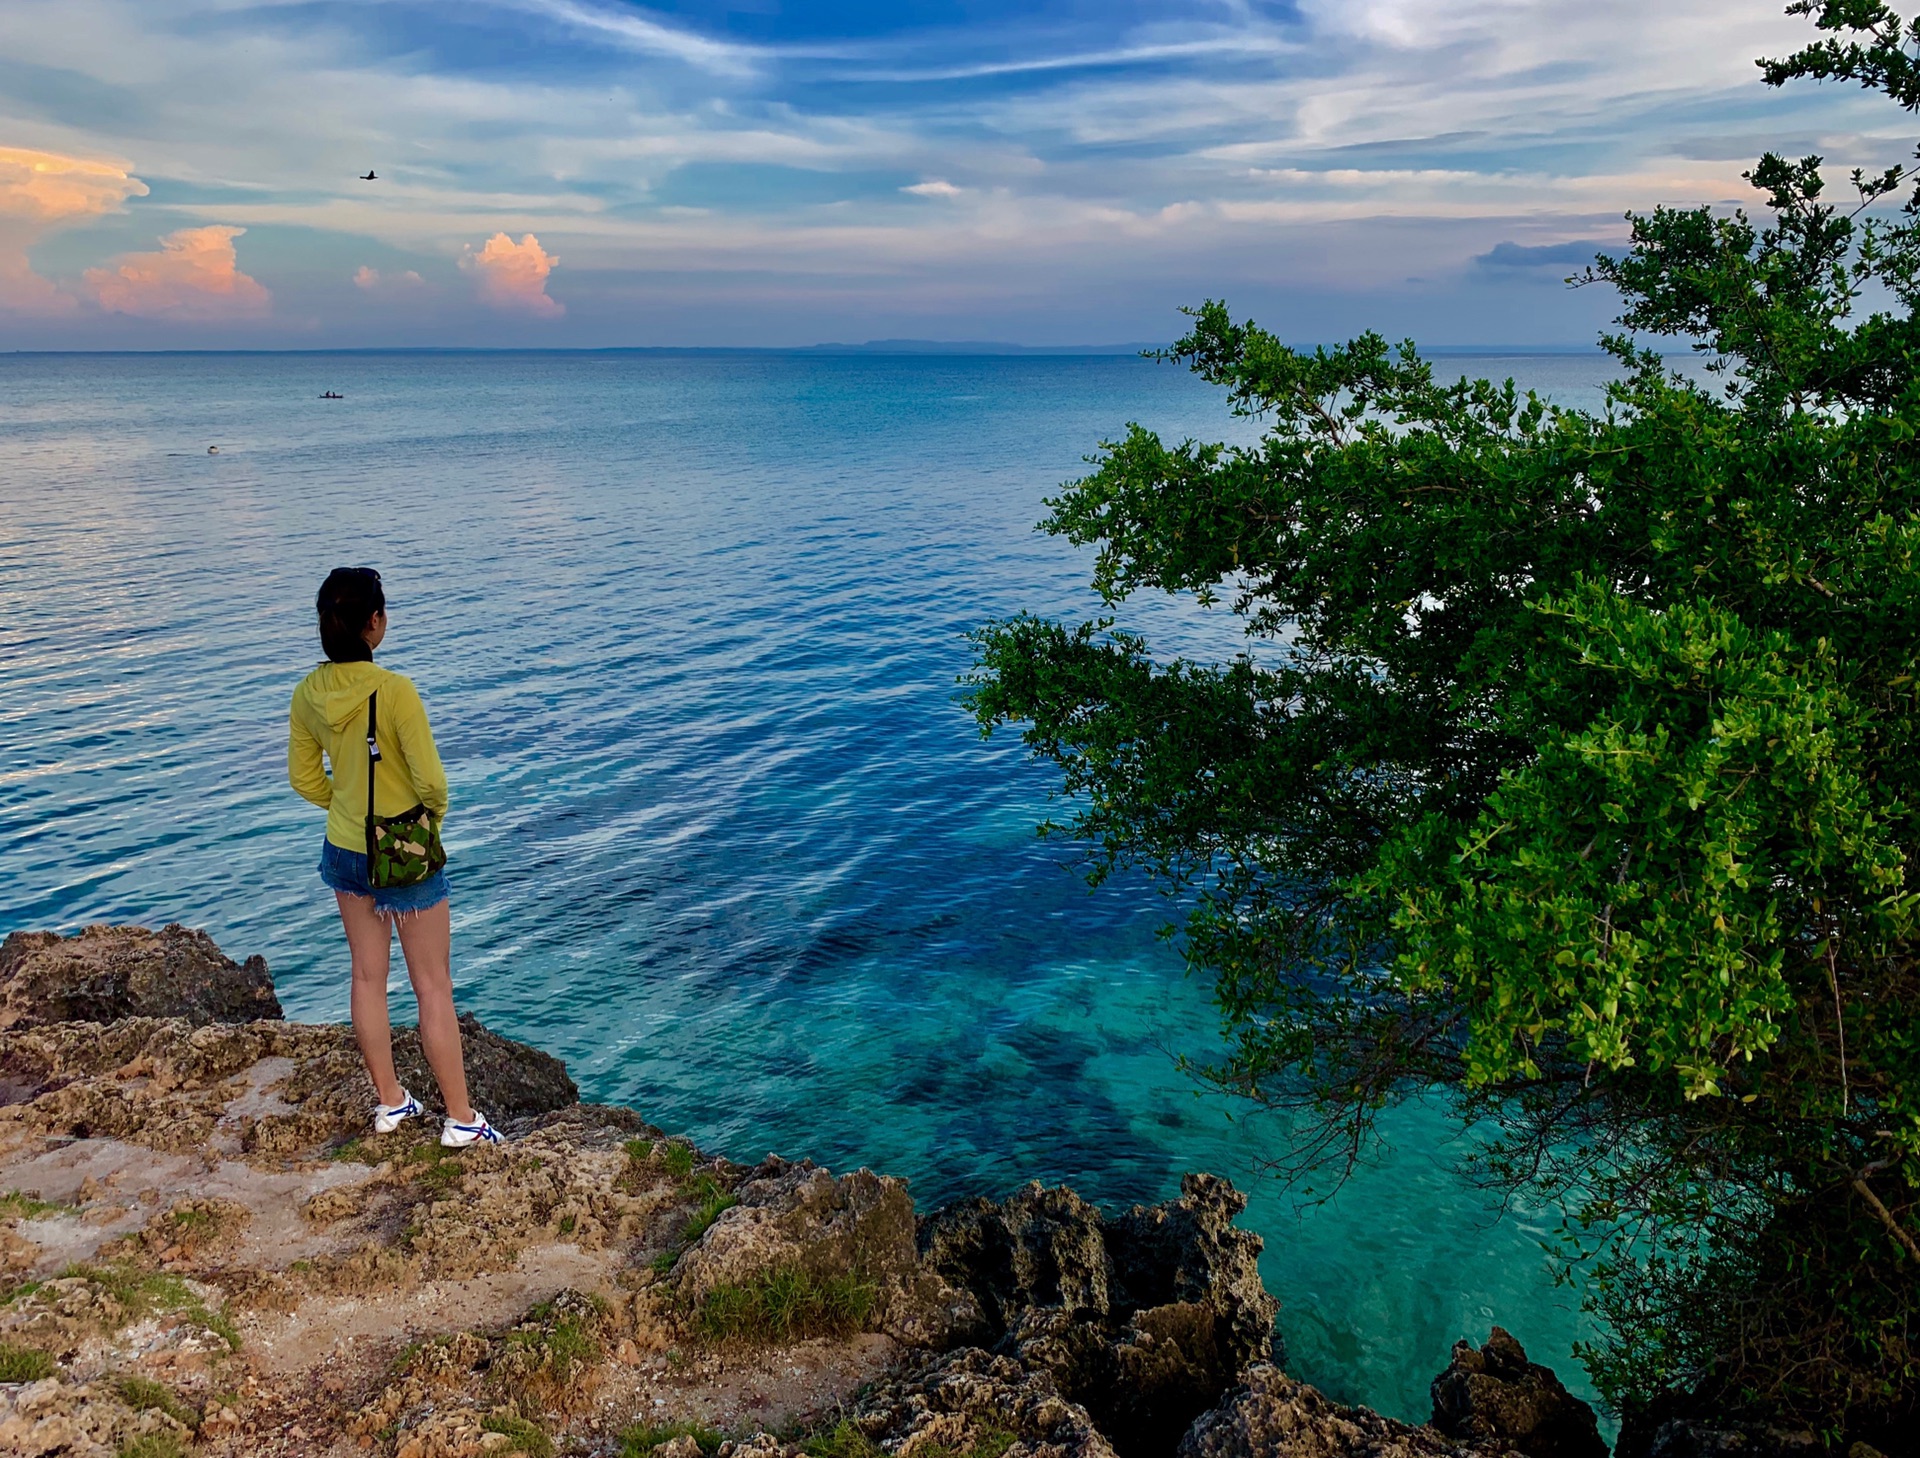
{"x":23,"y":1364}
{"x":144,"y":1292}
{"x":523,"y":1436}
{"x":786,"y":1304}
{"x":143,"y":1393}
{"x":676,"y":1157}
{"x":153,"y":1445}
{"x":641,"y":1439}
{"x":550,"y":1354}
{"x":714,"y":1200}
{"x":18,"y":1205}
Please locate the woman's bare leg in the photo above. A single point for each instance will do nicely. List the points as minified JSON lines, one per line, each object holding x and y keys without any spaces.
{"x":370,"y":939}
{"x":427,"y":939}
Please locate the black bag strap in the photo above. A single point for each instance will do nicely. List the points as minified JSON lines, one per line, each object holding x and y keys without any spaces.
{"x":373,"y":748}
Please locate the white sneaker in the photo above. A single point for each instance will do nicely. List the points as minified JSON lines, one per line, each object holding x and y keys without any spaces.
{"x":387,"y":1117}
{"x":458,"y":1136}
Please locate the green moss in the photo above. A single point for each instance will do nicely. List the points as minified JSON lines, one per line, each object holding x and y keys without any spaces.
{"x":566,"y":1224}
{"x":15,"y":1205}
{"x":353,"y":1150}
{"x":639,"y":1150}
{"x":641,"y":1439}
{"x":526,"y":1437}
{"x":23,"y":1364}
{"x":665,"y":1261}
{"x":786,"y":1304}
{"x":441,"y":1173}
{"x":141,"y":1393}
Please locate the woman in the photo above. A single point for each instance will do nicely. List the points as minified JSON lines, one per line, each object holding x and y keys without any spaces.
{"x":329,"y":715}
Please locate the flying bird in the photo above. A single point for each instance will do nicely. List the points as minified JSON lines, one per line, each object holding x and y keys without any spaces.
{"x":371,"y":176}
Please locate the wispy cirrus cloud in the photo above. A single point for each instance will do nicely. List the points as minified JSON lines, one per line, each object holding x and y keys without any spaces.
{"x":634,"y":30}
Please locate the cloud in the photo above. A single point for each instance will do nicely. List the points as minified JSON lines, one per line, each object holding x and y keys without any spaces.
{"x":1188,"y":146}
{"x":1558,"y":255}
{"x":375,"y":282}
{"x":195,"y":275}
{"x":513,"y":276}
{"x":47,"y":187}
{"x":42,"y":191}
{"x":649,"y":37}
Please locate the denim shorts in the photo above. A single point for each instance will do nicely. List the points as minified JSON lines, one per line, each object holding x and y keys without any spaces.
{"x":346,"y":870}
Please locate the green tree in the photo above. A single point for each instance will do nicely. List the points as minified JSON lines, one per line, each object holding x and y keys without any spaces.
{"x":1579,"y":775}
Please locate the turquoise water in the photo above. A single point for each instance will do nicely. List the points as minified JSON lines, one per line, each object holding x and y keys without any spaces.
{"x":722,"y":838}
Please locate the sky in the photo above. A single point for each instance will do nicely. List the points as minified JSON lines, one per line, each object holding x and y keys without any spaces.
{"x":185,"y":174}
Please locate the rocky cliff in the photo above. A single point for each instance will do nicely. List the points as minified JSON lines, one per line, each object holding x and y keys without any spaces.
{"x":203,"y":1251}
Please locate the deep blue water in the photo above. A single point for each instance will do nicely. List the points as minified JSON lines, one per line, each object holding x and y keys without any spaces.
{"x":722,"y":837}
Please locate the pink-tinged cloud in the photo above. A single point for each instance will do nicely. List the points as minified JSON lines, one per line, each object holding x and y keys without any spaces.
{"x":513,"y":276}
{"x":372,"y":281}
{"x":195,"y":275}
{"x":42,"y":191}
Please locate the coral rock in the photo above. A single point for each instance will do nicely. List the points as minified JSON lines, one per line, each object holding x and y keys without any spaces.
{"x":49,"y":1417}
{"x":1495,"y":1395}
{"x":1145,"y":1318}
{"x":958,"y":1400}
{"x":1271,"y":1415}
{"x":109,"y":972}
{"x":859,"y":1224}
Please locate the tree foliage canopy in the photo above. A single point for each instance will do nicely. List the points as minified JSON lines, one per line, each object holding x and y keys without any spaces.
{"x":1581,"y":776}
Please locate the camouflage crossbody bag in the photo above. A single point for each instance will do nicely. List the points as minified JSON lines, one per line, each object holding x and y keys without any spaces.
{"x":403,"y":849}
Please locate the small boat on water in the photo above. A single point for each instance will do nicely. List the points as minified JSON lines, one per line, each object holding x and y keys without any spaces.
{"x":333,"y":395}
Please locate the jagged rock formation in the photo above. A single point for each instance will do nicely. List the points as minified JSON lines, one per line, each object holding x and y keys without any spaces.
{"x":959,"y":1401}
{"x":1145,"y":1318}
{"x":110,"y":972}
{"x":1493,"y":1394}
{"x":1273,"y":1416}
{"x":799,"y":1217}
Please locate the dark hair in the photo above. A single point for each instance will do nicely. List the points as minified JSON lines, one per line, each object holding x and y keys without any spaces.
{"x":348,"y":600}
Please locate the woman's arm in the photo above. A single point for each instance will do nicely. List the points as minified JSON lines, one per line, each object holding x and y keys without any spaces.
{"x":306,"y":770}
{"x":423,"y":759}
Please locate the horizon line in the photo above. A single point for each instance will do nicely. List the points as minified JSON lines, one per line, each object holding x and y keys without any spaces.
{"x":927,"y":348}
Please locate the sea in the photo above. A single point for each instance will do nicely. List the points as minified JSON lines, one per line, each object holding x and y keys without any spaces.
{"x":690,"y":628}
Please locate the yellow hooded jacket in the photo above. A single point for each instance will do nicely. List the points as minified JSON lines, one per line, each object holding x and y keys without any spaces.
{"x":330,"y":713}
